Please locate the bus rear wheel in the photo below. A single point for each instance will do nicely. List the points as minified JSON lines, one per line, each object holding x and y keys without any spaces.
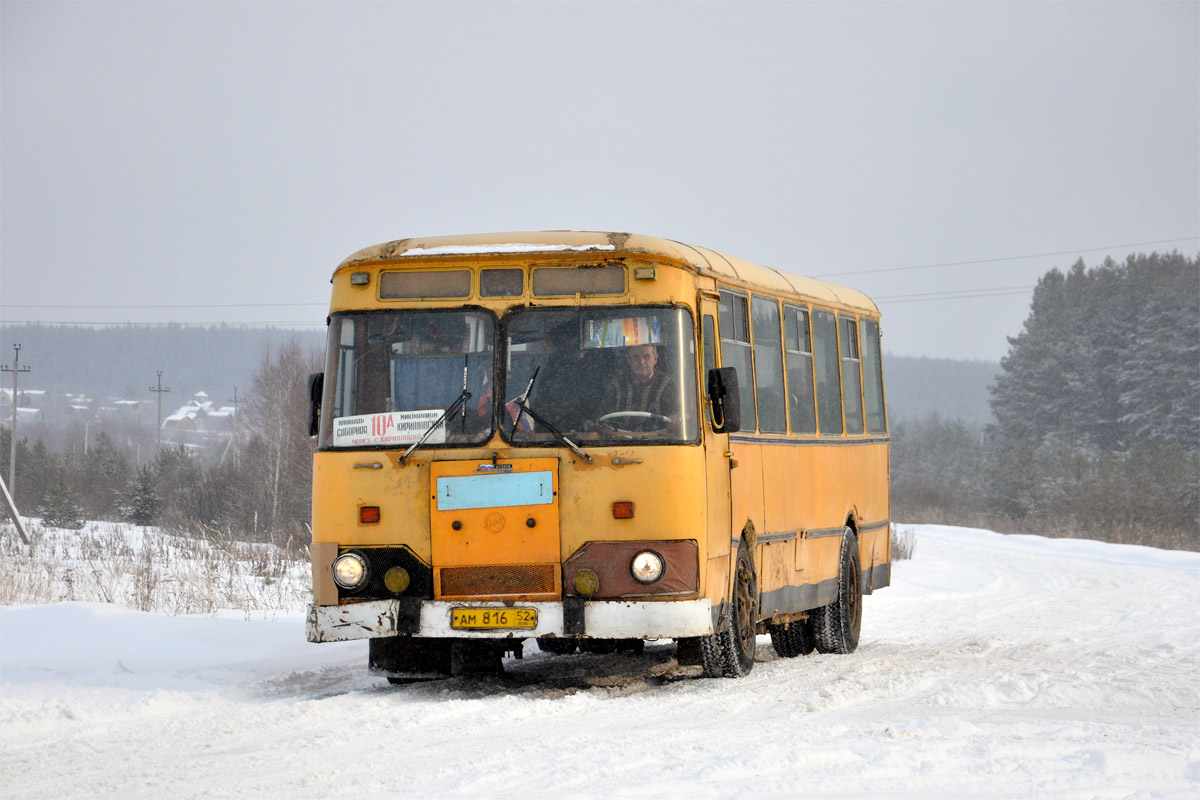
{"x":730,"y":653}
{"x":793,"y":639}
{"x":836,"y":626}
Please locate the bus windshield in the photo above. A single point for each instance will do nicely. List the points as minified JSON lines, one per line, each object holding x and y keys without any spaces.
{"x":600,"y":376}
{"x":395,"y":373}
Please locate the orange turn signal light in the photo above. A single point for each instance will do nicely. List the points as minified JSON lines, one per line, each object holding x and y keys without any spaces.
{"x":622,"y":509}
{"x":368,"y":514}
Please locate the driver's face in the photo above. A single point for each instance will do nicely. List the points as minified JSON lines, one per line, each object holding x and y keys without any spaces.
{"x":641,"y":360}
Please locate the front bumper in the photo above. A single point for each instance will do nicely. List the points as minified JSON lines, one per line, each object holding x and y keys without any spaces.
{"x":601,"y":619}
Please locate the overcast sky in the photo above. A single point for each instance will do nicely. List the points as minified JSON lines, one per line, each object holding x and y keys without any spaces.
{"x":183,"y":155}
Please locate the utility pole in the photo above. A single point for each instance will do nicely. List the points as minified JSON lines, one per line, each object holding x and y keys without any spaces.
{"x":158,"y":431}
{"x":16,"y":370}
{"x":236,"y":423}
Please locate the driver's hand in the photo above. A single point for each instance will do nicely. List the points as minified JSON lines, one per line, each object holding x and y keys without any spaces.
{"x":605,"y":430}
{"x":484,"y":407}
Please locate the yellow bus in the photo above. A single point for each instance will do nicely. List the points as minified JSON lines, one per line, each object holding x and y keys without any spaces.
{"x":591,"y":440}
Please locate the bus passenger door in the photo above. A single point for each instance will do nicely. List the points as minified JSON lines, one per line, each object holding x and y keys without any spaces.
{"x":718,"y":463}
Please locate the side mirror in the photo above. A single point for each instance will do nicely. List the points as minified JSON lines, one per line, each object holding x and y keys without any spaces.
{"x":726,"y":400}
{"x":316,"y":387}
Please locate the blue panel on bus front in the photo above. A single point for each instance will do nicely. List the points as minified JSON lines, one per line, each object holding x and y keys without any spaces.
{"x":491,"y":491}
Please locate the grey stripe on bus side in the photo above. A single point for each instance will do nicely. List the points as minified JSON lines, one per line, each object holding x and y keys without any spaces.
{"x":813,"y":533}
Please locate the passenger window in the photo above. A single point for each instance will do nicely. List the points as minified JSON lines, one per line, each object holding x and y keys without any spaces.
{"x":501,"y":282}
{"x":851,"y":376}
{"x":825,"y":362}
{"x":735,"y":350}
{"x":798,"y":345}
{"x":768,"y":367}
{"x":872,"y":366}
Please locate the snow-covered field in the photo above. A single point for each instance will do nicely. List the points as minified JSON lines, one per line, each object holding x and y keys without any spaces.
{"x":995,"y":666}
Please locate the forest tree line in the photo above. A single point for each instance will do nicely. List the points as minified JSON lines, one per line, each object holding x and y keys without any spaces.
{"x":1097,"y":416}
{"x":258,"y":487}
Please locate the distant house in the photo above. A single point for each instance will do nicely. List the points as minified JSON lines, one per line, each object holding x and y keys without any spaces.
{"x":199,"y":419}
{"x":27,"y":398}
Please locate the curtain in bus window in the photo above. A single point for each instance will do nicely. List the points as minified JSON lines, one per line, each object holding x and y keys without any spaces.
{"x":851,"y":378}
{"x":768,"y":367}
{"x":798,"y":345}
{"x":872,"y":366}
{"x":735,"y":351}
{"x":825,"y":359}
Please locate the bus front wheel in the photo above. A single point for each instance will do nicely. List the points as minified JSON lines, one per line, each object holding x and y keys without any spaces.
{"x":836,"y":626}
{"x":730,"y":653}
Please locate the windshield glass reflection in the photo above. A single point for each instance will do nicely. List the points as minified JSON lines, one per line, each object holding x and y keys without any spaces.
{"x":603,"y":375}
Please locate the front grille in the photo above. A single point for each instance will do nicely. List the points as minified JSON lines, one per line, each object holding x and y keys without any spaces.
{"x":518,"y":579}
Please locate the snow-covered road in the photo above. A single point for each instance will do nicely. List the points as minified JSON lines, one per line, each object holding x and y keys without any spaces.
{"x":995,"y":666}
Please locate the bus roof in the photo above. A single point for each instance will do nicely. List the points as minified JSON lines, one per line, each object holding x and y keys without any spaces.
{"x":700,"y":259}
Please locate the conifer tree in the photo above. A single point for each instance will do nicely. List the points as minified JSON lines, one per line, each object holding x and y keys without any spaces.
{"x":140,"y":501}
{"x":61,"y":510}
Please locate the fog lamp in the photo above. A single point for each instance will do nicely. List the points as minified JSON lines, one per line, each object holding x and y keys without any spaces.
{"x":349,"y":571}
{"x":586,"y":582}
{"x":396,"y":580}
{"x":646,"y":567}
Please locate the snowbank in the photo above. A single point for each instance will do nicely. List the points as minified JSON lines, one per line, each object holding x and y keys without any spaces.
{"x":995,"y":666}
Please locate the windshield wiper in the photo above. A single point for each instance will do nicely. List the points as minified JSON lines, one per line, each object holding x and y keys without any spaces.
{"x":446,"y":415}
{"x":524,"y":408}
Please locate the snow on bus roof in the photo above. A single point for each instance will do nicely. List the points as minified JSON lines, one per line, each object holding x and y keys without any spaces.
{"x":514,"y":247}
{"x":700,"y":259}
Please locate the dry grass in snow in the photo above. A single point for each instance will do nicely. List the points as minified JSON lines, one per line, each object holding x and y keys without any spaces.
{"x":151,"y":570}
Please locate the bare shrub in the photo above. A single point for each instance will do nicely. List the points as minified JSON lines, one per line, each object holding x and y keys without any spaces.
{"x":904,"y":543}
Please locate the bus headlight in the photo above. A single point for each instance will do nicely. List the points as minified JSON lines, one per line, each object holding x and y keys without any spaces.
{"x":646,"y":567}
{"x":349,"y":571}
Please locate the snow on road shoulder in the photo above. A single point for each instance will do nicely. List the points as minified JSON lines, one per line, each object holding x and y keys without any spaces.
{"x":995,"y":666}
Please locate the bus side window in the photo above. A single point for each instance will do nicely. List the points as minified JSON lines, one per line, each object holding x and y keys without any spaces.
{"x":734,"y":321}
{"x":798,"y":344}
{"x":343,"y":399}
{"x":829,"y":387}
{"x":851,"y":377}
{"x":768,"y":367}
{"x":873,"y":378}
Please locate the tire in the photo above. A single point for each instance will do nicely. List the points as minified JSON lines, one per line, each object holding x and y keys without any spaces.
{"x":793,"y":638}
{"x":730,"y":653}
{"x":837,"y":625}
{"x":559,"y":647}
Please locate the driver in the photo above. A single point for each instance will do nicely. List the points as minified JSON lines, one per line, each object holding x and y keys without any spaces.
{"x":638,"y":387}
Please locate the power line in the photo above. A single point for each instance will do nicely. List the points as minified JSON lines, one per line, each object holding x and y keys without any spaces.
{"x":1006,"y":258}
{"x":958,"y":297}
{"x":958,"y":292}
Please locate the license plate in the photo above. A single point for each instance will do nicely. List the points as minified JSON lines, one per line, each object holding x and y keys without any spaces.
{"x":493,"y":618}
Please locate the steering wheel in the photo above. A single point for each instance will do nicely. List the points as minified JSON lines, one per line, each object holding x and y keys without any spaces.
{"x":658,"y":420}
